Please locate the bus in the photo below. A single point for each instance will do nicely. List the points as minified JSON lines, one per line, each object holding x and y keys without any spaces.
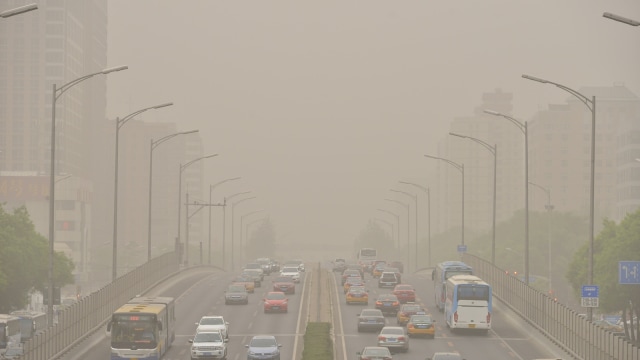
{"x":143,"y":328}
{"x":441,"y":273}
{"x":366,"y":257}
{"x":9,"y":331}
{"x":31,"y":322}
{"x":468,"y":304}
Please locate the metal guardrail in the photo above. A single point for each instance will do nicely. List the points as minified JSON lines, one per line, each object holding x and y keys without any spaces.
{"x":580,"y":338}
{"x":92,"y":311}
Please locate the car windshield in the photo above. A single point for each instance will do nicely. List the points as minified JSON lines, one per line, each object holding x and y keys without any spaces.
{"x":208,"y":337}
{"x":404,"y":287}
{"x":411,"y":308}
{"x":282,"y":279}
{"x":371,"y":312}
{"x":263,"y":342}
{"x":276,"y":296}
{"x":290,"y":269}
{"x":237,"y":288}
{"x":387,"y":297}
{"x":376,"y":352}
{"x":211,"y":321}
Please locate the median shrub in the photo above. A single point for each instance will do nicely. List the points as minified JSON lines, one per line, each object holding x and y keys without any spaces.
{"x":317,"y":342}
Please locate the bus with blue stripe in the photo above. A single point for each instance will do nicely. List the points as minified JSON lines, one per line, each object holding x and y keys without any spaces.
{"x":143,"y":328}
{"x":9,"y":331}
{"x":441,"y":273}
{"x":468,"y":304}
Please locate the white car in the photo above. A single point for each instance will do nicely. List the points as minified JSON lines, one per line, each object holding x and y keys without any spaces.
{"x":213,"y":323}
{"x":292,"y":272}
{"x":208,"y":345}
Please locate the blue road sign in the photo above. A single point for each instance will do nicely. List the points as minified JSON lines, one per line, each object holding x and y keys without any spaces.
{"x":590,"y":291}
{"x":462,"y":248}
{"x":629,"y":272}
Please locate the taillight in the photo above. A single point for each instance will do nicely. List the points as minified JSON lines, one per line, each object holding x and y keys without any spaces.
{"x":410,"y":326}
{"x":396,"y":303}
{"x":381,"y":338}
{"x":488,"y":318}
{"x":378,"y":302}
{"x":401,"y":338}
{"x":455,"y":316}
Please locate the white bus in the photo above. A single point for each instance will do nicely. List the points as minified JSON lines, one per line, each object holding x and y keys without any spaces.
{"x":366,"y":257}
{"x":9,"y":331}
{"x":468,"y":304}
{"x":143,"y":328}
{"x":31,"y":322}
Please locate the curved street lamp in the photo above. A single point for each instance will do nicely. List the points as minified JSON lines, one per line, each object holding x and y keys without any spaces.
{"x":408,"y":227}
{"x":621,"y":19}
{"x":233,"y":206}
{"x":56,"y":93}
{"x":242,"y":230}
{"x":549,"y":208}
{"x":18,"y":10}
{"x":224,"y":223}
{"x":428,"y":193}
{"x":182,"y":168}
{"x":155,"y":144}
{"x":211,"y":187}
{"x":493,"y":150}
{"x":397,"y":242}
{"x":415,"y":201}
{"x":119,"y":124}
{"x":460,"y":168}
{"x":591,"y":105}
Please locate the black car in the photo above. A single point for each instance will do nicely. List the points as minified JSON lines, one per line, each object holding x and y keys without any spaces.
{"x":370,"y":320}
{"x":388,"y":304}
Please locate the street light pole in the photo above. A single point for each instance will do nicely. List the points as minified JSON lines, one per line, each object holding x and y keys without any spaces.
{"x":408,"y":227}
{"x":242,"y":230}
{"x":415,"y":200}
{"x":460,"y":168}
{"x":248,"y":226}
{"x":119,"y":124}
{"x":18,"y":10}
{"x":397,"y":242}
{"x":233,"y":206}
{"x":549,"y":208}
{"x":523,"y":127}
{"x":224,"y":223}
{"x":182,"y":167}
{"x":211,"y":187}
{"x":56,"y":93}
{"x":591,"y":105}
{"x":390,"y":225}
{"x":621,"y":19}
{"x":155,"y":144}
{"x":493,"y":150}
{"x":427,"y":192}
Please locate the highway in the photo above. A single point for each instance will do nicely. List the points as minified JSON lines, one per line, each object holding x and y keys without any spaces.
{"x":200,"y":292}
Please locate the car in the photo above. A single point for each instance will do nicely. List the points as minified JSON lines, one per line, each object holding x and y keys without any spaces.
{"x":292,"y":272}
{"x":236,"y":294}
{"x":246,"y":281}
{"x":394,"y":338}
{"x":370,"y":320}
{"x":445,"y":356}
{"x":265,"y":265}
{"x":374,"y":353}
{"x":356,"y":266}
{"x":263,"y":347}
{"x":275,"y":301}
{"x":405,"y":293}
{"x":208,"y":345}
{"x":284,"y":284}
{"x":353,"y":280}
{"x":387,"y":303}
{"x":339,"y":264}
{"x":421,"y":325}
{"x":378,"y":269}
{"x":357,"y":295}
{"x":388,"y":280}
{"x":253,"y":274}
{"x":295,"y":263}
{"x":213,"y":323}
{"x":406,"y":310}
{"x":396,"y":271}
{"x":350,"y":273}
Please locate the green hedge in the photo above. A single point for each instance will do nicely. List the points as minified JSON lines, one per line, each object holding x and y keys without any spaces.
{"x":317,"y":342}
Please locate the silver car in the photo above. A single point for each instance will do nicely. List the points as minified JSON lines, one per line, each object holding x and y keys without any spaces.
{"x":393,"y":338}
{"x":370,"y":320}
{"x":208,"y":345}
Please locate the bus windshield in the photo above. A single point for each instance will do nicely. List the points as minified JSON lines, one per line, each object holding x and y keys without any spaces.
{"x":139,"y":333}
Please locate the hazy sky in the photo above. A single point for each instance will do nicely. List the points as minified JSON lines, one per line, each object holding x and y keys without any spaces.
{"x":322,"y":106}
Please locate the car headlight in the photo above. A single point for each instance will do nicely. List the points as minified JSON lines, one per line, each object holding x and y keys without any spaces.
{"x":194,"y":348}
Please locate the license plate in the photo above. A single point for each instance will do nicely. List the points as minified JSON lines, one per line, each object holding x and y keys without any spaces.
{"x":208,"y":354}
{"x":387,"y":304}
{"x":420,"y":313}
{"x":275,"y":307}
{"x":371,"y":321}
{"x":471,"y":326}
{"x":392,"y":340}
{"x":422,"y":326}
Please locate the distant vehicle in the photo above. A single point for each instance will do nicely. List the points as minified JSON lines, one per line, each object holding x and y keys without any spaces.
{"x":421,"y":325}
{"x":468,"y":304}
{"x":339,"y":264}
{"x":405,"y":293}
{"x":276,"y":301}
{"x":263,"y":347}
{"x":9,"y":331}
{"x":291,"y":271}
{"x":366,"y":257}
{"x":441,"y":273}
{"x":370,"y":320}
{"x":143,"y":328}
{"x":388,"y":303}
{"x":445,"y":356}
{"x":31,"y":322}
{"x":236,"y":294}
{"x":265,"y":264}
{"x":284,"y":284}
{"x":406,"y":311}
{"x":357,"y":294}
{"x":393,"y":338}
{"x":388,"y":280}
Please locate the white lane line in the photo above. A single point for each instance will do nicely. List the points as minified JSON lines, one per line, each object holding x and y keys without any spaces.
{"x":302,"y":297}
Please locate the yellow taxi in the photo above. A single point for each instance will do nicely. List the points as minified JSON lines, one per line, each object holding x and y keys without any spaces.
{"x":357,"y":295}
{"x":421,"y":325}
{"x":249,"y":284}
{"x":378,"y":269}
{"x":357,"y":281}
{"x":408,"y":309}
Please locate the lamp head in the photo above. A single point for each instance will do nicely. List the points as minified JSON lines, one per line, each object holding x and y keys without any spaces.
{"x":113,"y":69}
{"x":458,"y":135}
{"x":492,"y":112}
{"x":18,"y":10}
{"x":163,"y":105}
{"x":189,"y":132}
{"x":533,"y":78}
{"x":621,"y":19}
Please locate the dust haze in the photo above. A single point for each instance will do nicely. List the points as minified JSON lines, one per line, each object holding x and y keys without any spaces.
{"x":322,"y":106}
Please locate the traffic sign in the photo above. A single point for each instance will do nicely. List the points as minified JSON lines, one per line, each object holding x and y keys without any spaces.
{"x":629,"y":272}
{"x":462,"y":248}
{"x":590,"y":291}
{"x":589,"y":302}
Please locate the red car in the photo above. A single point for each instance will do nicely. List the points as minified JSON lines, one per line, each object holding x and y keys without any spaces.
{"x":284,"y":284}
{"x":276,"y":301}
{"x":405,"y":293}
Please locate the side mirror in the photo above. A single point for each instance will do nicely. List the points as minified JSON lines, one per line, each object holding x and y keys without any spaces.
{"x":197,"y":324}
{"x":190,"y":341}
{"x":279,"y":345}
{"x":247,"y":346}
{"x":226,"y":340}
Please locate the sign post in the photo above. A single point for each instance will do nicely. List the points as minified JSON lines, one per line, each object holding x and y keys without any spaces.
{"x":589,"y":297}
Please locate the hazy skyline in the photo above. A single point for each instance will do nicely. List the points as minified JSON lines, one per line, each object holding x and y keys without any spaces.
{"x":322,"y":106}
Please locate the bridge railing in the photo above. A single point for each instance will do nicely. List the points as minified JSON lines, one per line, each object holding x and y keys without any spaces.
{"x":92,"y":311}
{"x":577,"y":336}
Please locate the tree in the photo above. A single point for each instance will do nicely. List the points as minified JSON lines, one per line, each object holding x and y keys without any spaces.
{"x":24,"y":260}
{"x":616,"y":242}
